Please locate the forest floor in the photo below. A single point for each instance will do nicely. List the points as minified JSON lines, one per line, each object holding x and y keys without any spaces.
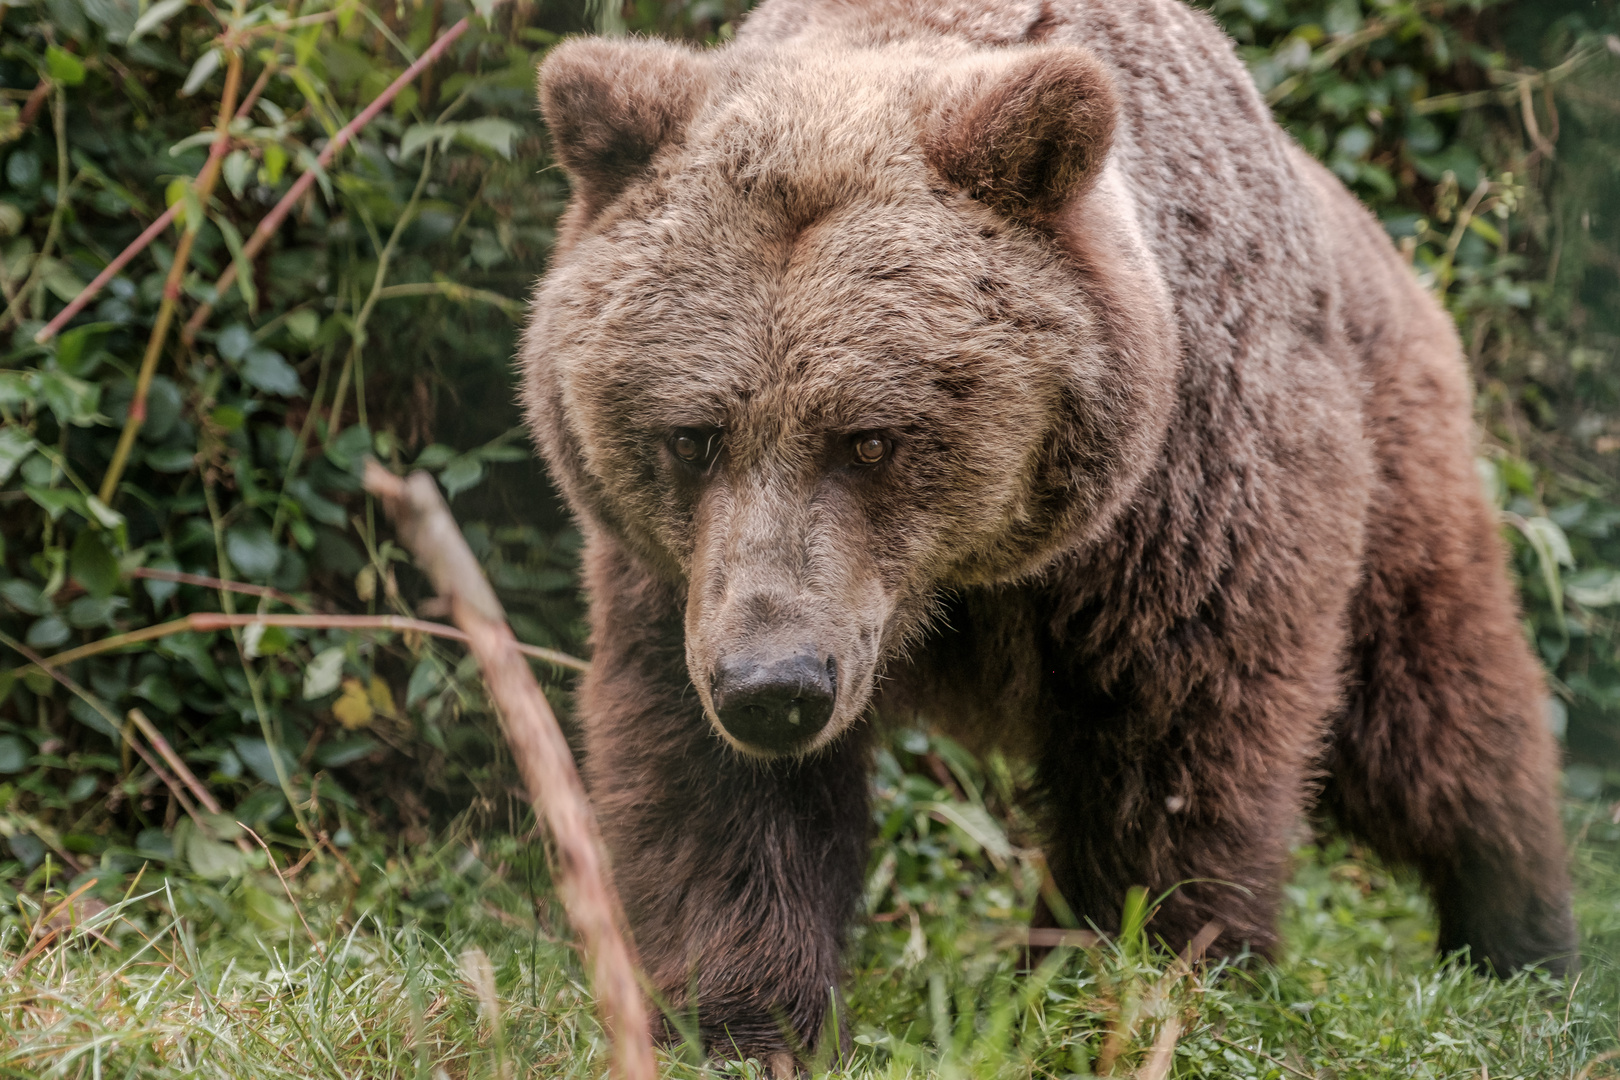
{"x":445,"y":964}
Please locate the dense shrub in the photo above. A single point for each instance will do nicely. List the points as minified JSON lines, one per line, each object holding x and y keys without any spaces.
{"x":381,"y":318}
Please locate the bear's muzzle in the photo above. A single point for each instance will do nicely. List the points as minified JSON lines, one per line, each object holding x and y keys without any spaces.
{"x":775,"y":704}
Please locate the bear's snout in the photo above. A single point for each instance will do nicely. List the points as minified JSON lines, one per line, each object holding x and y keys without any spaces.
{"x":775,"y":704}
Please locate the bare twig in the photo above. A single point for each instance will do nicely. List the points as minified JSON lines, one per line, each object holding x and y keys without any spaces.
{"x":206,"y":621}
{"x":15,"y":309}
{"x":291,"y":899}
{"x":1509,"y":94}
{"x":272,"y":221}
{"x":427,"y":529}
{"x":207,"y":582}
{"x":451,"y":290}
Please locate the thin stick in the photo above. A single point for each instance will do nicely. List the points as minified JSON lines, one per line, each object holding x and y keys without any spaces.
{"x":272,"y":221}
{"x":181,"y":769}
{"x":313,"y":940}
{"x":542,"y":754}
{"x":63,"y":193}
{"x":453,"y":291}
{"x":203,"y":186}
{"x":207,"y":621}
{"x":182,"y":578}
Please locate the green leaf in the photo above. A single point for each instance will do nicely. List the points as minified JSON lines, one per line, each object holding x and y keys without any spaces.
{"x":92,"y":565}
{"x":234,"y":342}
{"x":419,"y":135}
{"x":1594,"y":588}
{"x":425,"y":678}
{"x":24,"y":596}
{"x":159,"y":692}
{"x":48,"y":632}
{"x":490,"y":133}
{"x":252,"y":550}
{"x":303,"y":325}
{"x":56,"y":500}
{"x":72,"y":346}
{"x":324,"y":673}
{"x":171,"y":459}
{"x":237,"y":170}
{"x":331,"y":755}
{"x":206,"y":65}
{"x":461,"y":474}
{"x":435,"y":456}
{"x":155,"y":16}
{"x":89,"y":611}
{"x":348,"y":451}
{"x":74,"y":401}
{"x":13,"y":754}
{"x":256,"y":755}
{"x":213,"y":860}
{"x":16,"y":445}
{"x":102,"y":514}
{"x":269,"y":371}
{"x":63,"y":66}
{"x":244,"y":265}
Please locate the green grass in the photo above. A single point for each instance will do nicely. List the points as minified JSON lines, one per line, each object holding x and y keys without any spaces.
{"x":455,"y":963}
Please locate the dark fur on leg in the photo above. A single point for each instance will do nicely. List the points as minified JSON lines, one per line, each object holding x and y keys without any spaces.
{"x":738,"y":876}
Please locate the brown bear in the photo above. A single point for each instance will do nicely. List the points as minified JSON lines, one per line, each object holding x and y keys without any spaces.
{"x":1002,"y":363}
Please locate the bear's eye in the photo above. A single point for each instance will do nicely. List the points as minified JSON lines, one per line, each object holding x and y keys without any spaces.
{"x":870,"y":448}
{"x":695,"y":446}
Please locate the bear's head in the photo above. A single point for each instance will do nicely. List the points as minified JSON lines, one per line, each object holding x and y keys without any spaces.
{"x":830,"y":333}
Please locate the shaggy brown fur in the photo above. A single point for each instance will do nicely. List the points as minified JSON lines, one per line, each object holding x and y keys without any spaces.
{"x":1002,"y":362}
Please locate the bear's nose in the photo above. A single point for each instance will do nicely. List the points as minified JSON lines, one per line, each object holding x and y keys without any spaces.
{"x":776,"y":704}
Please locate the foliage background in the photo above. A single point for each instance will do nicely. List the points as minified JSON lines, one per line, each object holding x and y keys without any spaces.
{"x":382,"y":318}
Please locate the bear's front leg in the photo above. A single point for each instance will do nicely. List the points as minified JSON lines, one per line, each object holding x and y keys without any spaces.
{"x":738,"y":875}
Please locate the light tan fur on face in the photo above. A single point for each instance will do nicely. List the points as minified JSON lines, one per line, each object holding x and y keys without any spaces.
{"x":794,"y":282}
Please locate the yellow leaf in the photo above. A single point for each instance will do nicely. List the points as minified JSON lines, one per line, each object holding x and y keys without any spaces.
{"x":353,"y":707}
{"x":382,"y":698}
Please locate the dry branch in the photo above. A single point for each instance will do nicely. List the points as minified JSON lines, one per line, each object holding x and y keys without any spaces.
{"x":427,"y":529}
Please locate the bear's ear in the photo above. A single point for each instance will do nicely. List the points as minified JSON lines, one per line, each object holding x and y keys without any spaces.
{"x":612,"y":104}
{"x":1024,"y":130}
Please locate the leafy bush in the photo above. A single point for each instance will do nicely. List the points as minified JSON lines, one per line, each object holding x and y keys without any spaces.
{"x":380,"y":318}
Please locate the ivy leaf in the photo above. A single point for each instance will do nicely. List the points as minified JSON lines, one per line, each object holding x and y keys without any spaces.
{"x":258,"y":756}
{"x":48,"y":632}
{"x":13,"y":754}
{"x":16,"y":446}
{"x":252,"y":550}
{"x":63,"y":66}
{"x":269,"y":371}
{"x":490,"y":133}
{"x":461,"y":474}
{"x":213,"y":860}
{"x":234,"y":342}
{"x":92,"y":565}
{"x":324,"y":673}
